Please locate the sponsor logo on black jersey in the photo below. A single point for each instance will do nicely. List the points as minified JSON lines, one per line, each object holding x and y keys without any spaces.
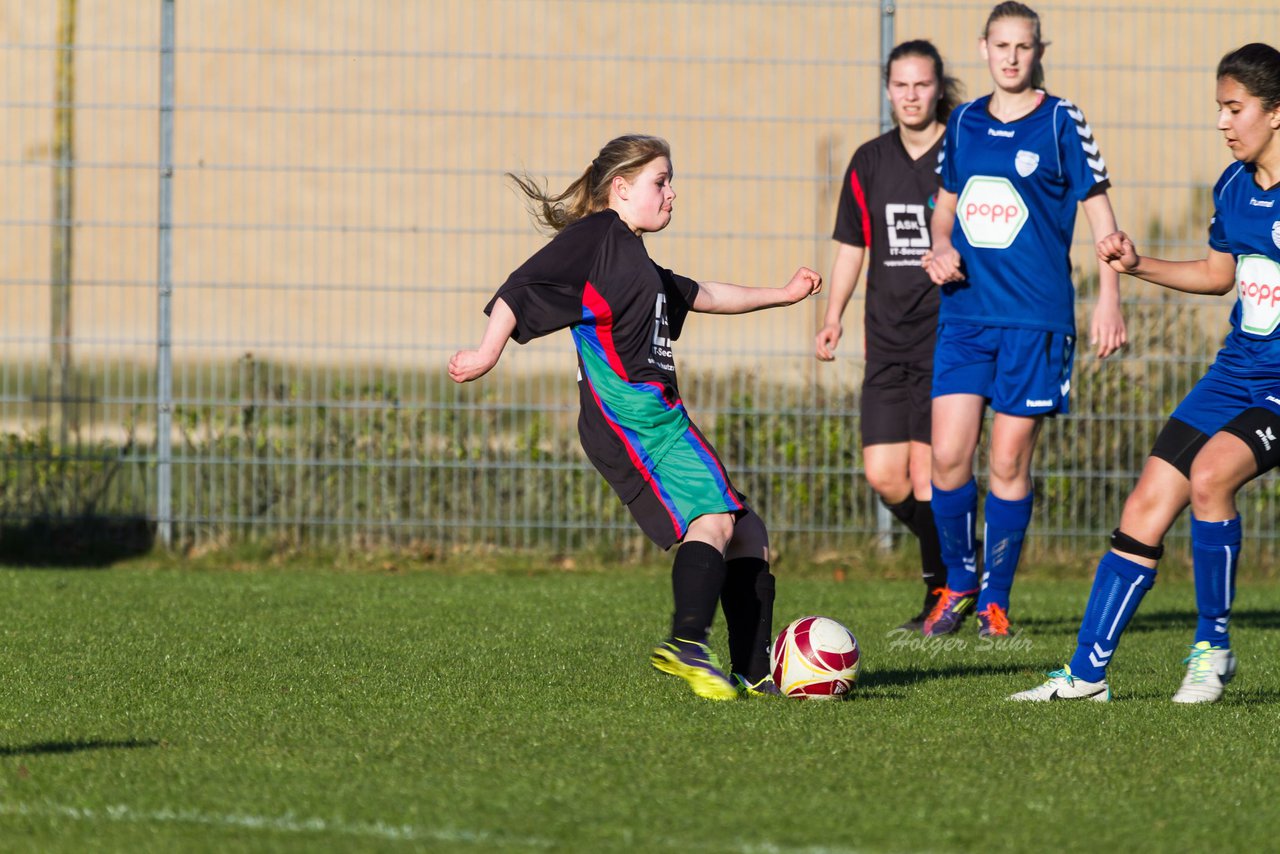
{"x":908,"y":234}
{"x":660,"y":353}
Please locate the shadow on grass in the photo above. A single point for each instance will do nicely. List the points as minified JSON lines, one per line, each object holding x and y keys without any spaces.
{"x":81,"y":541}
{"x":1233,"y":696}
{"x":930,"y":670}
{"x":1158,"y":621}
{"x":41,"y":748}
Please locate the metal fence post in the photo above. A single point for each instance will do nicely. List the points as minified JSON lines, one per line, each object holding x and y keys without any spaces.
{"x":164,"y":286}
{"x":884,"y":521}
{"x":63,"y":224}
{"x":888,"y":8}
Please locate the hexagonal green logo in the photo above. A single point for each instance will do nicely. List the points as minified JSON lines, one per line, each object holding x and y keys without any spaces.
{"x":991,"y":212}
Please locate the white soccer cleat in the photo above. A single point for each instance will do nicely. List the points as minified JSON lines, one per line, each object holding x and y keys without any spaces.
{"x":1063,"y":686}
{"x":1209,"y":668}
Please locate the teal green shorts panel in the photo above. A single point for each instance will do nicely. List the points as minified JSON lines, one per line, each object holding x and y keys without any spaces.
{"x":689,"y":481}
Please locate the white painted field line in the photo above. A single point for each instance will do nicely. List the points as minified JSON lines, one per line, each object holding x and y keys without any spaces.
{"x":279,"y":824}
{"x":373,"y":830}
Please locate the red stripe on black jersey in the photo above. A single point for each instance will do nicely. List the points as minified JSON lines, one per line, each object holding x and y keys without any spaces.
{"x":599,"y":307}
{"x":860,"y":198}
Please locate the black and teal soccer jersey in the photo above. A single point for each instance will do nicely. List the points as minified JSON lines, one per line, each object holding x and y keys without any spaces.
{"x":885,"y":204}
{"x":1246,"y":224}
{"x":1018,"y":184}
{"x":596,"y":278}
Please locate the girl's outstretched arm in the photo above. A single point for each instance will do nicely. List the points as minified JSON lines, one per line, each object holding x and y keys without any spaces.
{"x":1215,"y":274}
{"x":724,"y":298}
{"x":468,"y":365}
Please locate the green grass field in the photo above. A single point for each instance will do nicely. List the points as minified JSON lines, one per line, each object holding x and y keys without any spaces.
{"x":161,"y":708}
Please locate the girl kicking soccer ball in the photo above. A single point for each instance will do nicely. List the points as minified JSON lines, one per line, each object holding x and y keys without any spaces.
{"x":623,"y":310}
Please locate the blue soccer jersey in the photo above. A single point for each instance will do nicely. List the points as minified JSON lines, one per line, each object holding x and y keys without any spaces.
{"x":1017,"y":185}
{"x":1246,"y":224}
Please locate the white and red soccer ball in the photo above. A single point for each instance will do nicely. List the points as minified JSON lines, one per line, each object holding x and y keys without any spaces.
{"x":816,"y":658}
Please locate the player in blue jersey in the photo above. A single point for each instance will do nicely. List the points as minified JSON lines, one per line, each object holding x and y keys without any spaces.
{"x":1014,"y":165}
{"x":1224,"y":433}
{"x":886,"y":198}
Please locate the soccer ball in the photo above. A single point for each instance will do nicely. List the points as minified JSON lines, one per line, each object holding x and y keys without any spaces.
{"x":815,"y":657}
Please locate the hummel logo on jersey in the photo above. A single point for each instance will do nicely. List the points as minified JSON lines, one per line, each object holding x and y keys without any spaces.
{"x":1008,"y":134}
{"x":1090,"y":146}
{"x":1099,"y":656}
{"x":1262,"y":203}
{"x":1267,"y":437}
{"x":1031,"y":402}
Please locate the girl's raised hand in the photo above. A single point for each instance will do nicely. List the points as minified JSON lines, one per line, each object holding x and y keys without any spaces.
{"x":804,"y":283}
{"x":1117,"y":251}
{"x":468,"y":365}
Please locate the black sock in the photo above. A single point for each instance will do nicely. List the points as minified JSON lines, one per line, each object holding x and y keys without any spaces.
{"x":697,"y":575}
{"x":918,"y":517}
{"x":747,"y":599}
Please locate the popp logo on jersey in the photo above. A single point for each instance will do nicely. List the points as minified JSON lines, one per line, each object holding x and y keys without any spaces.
{"x":1258,"y":286}
{"x":991,"y":212}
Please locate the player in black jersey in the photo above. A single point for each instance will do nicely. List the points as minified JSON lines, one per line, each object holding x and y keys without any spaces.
{"x":884,"y":209}
{"x":623,"y":311}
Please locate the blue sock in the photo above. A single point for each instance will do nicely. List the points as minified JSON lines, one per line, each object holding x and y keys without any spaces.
{"x":1118,"y":587}
{"x":1006,"y":526}
{"x":1216,"y":548}
{"x":955,"y":513}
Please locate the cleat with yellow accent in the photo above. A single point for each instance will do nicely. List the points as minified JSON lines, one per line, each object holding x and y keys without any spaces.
{"x":696,"y":664}
{"x":764,"y":688}
{"x":1063,"y":686}
{"x":1209,"y":669}
{"x":949,"y":612}
{"x":993,"y":621}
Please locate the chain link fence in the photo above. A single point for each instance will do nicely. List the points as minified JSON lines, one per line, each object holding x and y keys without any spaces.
{"x":241,"y":240}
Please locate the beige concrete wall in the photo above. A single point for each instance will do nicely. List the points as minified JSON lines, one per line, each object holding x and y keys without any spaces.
{"x":339,"y":192}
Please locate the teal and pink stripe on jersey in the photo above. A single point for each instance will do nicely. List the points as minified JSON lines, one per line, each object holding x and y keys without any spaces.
{"x":643,"y":419}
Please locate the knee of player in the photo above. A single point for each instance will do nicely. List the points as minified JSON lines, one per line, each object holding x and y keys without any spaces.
{"x":893,"y":486}
{"x":713,"y":528}
{"x":1152,"y":507}
{"x":950,"y":472}
{"x":1211,"y":482}
{"x":749,"y":537}
{"x":1010,"y":466}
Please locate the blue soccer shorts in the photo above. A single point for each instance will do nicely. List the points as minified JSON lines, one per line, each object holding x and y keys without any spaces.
{"x":1219,"y":396}
{"x":1019,"y":371}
